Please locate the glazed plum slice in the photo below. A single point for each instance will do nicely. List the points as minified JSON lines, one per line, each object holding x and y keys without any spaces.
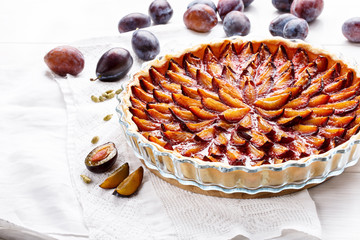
{"x":248,"y":103}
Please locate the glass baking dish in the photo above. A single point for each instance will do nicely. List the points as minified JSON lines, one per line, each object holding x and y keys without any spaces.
{"x":209,"y":176}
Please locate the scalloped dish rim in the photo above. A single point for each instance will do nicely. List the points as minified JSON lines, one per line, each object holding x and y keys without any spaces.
{"x":131,"y":128}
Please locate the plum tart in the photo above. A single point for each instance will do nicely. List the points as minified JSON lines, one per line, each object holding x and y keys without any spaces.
{"x":243,"y":103}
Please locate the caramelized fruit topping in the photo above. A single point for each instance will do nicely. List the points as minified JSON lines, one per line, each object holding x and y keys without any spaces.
{"x":247,"y":103}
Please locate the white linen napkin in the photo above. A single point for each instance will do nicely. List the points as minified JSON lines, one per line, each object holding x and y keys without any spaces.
{"x":160,"y":210}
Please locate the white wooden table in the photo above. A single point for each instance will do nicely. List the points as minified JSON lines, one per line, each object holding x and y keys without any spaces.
{"x":28,"y":29}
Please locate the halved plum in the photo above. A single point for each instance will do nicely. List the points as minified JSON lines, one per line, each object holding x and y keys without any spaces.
{"x":101,"y":158}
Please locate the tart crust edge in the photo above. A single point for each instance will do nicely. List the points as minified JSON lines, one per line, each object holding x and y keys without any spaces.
{"x":218,"y":43}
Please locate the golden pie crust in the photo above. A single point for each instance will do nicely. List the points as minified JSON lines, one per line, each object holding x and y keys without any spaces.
{"x":321,"y":104}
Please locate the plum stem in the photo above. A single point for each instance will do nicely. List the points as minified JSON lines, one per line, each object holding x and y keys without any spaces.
{"x":94,"y":79}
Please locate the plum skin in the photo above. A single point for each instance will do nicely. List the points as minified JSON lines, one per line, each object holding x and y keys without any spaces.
{"x":296,"y":29}
{"x":114,"y":64}
{"x":200,"y":18}
{"x":160,"y":11}
{"x":307,"y":9}
{"x":236,"y":23}
{"x":133,"y":21}
{"x":145,"y":44}
{"x":64,"y":60}
{"x":247,"y":2}
{"x":207,"y":2}
{"x":226,"y":6}
{"x":351,"y":29}
{"x":282,"y":5}
{"x":276,"y":26}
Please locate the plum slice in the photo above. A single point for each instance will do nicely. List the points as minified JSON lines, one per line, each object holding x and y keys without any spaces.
{"x":101,"y":158}
{"x":131,"y":184}
{"x":116,"y":177}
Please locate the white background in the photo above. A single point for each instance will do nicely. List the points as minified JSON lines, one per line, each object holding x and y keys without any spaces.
{"x":32,"y":106}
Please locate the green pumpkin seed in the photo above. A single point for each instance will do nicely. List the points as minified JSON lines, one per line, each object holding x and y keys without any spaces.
{"x":118,"y":91}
